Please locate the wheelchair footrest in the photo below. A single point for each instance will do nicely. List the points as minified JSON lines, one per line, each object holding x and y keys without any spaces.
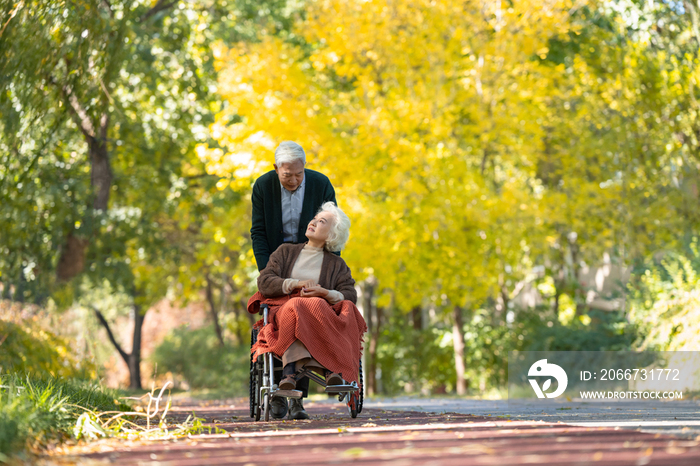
{"x":340,"y":388}
{"x":287,"y":393}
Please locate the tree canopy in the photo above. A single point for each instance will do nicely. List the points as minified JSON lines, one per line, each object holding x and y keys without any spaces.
{"x":479,"y":149}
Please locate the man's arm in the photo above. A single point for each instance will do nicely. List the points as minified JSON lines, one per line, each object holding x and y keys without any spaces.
{"x":257,"y":231}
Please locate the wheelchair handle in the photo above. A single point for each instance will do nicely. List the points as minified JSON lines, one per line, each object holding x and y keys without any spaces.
{"x":263,"y":308}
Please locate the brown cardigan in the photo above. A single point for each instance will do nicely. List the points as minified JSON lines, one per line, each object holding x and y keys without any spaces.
{"x":335,"y":274}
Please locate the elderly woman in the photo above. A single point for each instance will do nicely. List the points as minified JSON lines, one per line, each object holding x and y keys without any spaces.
{"x":322,"y":311}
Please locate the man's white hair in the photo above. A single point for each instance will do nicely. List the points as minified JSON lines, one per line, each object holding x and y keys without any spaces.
{"x":289,"y":152}
{"x":340,"y":230}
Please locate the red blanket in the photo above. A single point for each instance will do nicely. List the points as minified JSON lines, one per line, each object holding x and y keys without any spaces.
{"x":332,"y":334}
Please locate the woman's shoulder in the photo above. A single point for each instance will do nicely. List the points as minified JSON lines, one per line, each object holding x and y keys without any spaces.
{"x":335,"y":259}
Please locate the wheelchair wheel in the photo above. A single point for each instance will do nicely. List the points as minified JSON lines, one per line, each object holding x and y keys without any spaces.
{"x":356,"y":399}
{"x":253,"y":382}
{"x":259,"y":405}
{"x":353,"y":400}
{"x":361,"y":397}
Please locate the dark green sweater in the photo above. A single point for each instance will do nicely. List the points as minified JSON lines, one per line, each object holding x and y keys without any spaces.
{"x":266,"y":233}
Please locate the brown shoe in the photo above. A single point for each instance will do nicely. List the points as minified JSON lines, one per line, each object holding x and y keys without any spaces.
{"x":288,"y":383}
{"x":333,"y":378}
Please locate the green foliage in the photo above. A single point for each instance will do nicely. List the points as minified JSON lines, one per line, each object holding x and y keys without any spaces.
{"x":35,"y":411}
{"x":413,"y":360}
{"x":424,"y":360}
{"x":196,"y":357}
{"x":31,"y":349}
{"x":664,"y":300}
{"x":138,"y":78}
{"x":135,"y":83}
{"x":488,"y":340}
{"x":466,"y":165}
{"x":467,"y":156}
{"x":607,"y":331}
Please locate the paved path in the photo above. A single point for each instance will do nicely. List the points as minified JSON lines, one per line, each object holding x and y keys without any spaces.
{"x":399,"y":432}
{"x":680,"y":418}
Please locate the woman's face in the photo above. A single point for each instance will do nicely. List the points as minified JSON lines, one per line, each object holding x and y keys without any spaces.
{"x":320,"y":226}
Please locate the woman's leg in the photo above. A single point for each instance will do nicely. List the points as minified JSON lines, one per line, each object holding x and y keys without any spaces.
{"x":297,"y":357}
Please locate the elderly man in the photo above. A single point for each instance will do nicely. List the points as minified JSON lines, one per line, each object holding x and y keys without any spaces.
{"x":285,"y":200}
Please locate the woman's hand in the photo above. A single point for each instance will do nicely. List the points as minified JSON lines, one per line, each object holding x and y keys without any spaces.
{"x":304,"y":284}
{"x":315,"y":291}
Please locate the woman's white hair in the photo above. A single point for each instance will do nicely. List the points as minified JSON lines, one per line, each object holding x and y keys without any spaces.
{"x":340,"y":230}
{"x":289,"y":152}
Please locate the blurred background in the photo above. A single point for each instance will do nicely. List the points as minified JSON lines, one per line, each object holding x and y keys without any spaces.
{"x":520,"y":176}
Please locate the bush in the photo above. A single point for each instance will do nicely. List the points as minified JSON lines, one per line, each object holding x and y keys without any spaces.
{"x":488,"y":344}
{"x":36,"y":411}
{"x":664,"y":300}
{"x":607,"y":331}
{"x":424,"y":360}
{"x":196,"y":357}
{"x":31,"y":349}
{"x":412,"y":360}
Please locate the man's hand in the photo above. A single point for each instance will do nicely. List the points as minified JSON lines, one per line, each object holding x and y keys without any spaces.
{"x":315,"y":291}
{"x":305,"y":284}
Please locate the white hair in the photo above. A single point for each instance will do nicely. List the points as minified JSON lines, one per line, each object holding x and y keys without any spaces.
{"x":340,"y":230}
{"x":289,"y":152}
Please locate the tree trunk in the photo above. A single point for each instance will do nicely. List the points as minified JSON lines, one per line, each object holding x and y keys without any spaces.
{"x":72,"y":259}
{"x":135,"y":356}
{"x":101,"y":172}
{"x":370,"y":354}
{"x":373,"y":344}
{"x":458,"y":341}
{"x":214,"y":313}
{"x":226,"y":292}
{"x":6,"y":294}
{"x":417,"y":318}
{"x":579,"y":297}
{"x":18,"y":295}
{"x":502,"y":300}
{"x":133,"y":359}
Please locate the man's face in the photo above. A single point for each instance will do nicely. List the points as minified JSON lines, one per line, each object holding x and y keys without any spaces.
{"x":291,"y":174}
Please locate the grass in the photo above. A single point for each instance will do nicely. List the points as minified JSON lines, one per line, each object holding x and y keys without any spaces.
{"x":36,"y":412}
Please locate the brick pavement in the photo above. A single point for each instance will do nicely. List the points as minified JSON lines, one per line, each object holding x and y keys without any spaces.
{"x":388,"y":437}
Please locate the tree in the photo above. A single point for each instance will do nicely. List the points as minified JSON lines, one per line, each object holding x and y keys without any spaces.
{"x":402,"y":107}
{"x":467,"y":156}
{"x":103,"y":104}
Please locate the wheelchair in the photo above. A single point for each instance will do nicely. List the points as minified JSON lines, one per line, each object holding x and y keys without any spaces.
{"x":263,"y":387}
